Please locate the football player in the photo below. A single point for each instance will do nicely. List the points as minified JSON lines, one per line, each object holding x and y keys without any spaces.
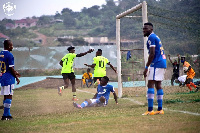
{"x":7,"y":78}
{"x":101,"y":97}
{"x":190,"y":74}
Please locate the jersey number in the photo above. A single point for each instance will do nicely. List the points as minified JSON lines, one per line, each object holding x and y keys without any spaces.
{"x":101,"y":64}
{"x":3,"y":67}
{"x":66,"y":61}
{"x":162,"y":50}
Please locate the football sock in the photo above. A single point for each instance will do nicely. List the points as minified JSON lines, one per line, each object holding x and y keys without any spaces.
{"x":7,"y":105}
{"x":74,"y":94}
{"x":84,"y":104}
{"x":160,"y":94}
{"x":150,"y":97}
{"x":188,"y":85}
{"x":193,"y":85}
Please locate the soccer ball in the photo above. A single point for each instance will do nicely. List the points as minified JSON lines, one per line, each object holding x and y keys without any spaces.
{"x":185,"y":69}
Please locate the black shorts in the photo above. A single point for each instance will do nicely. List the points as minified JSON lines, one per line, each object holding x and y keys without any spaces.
{"x":95,"y":79}
{"x":68,"y":76}
{"x":188,"y":81}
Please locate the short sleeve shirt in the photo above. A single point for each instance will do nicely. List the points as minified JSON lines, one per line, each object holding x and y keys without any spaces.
{"x":175,"y":68}
{"x":191,"y":72}
{"x":7,"y":61}
{"x":100,"y":66}
{"x":68,"y":61}
{"x":105,"y":91}
{"x":159,"y":60}
{"x":87,"y":76}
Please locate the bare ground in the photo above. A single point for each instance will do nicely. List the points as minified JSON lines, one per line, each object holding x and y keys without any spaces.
{"x":50,"y":83}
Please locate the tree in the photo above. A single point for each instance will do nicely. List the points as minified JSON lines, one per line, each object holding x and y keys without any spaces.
{"x":68,"y":21}
{"x":43,"y":20}
{"x":57,"y":15}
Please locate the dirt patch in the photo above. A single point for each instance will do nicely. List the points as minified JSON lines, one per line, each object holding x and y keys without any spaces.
{"x":49,"y":83}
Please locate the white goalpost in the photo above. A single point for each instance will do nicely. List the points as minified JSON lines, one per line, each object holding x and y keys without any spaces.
{"x":142,"y":5}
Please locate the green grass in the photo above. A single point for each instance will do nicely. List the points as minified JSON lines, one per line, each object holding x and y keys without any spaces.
{"x":43,"y":110}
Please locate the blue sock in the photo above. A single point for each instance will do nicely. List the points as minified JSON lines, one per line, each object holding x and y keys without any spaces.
{"x":160,"y":94}
{"x":150,"y":97}
{"x":84,"y":104}
{"x":7,"y":105}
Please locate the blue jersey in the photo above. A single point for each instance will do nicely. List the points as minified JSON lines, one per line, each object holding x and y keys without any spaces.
{"x":104,"y":91}
{"x":159,"y":60}
{"x":6,"y":60}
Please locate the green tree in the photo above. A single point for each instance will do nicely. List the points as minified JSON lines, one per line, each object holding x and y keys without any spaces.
{"x":43,"y":20}
{"x":69,"y":21}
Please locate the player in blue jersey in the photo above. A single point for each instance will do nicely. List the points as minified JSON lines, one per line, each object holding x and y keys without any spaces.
{"x":101,"y":97}
{"x":7,"y":78}
{"x":157,"y":66}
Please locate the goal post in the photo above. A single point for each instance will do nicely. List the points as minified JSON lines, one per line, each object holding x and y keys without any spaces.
{"x":142,"y":5}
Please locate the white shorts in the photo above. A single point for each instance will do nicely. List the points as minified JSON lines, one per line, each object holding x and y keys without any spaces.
{"x":182,"y":79}
{"x":94,"y":103}
{"x":7,"y":90}
{"x":156,"y":74}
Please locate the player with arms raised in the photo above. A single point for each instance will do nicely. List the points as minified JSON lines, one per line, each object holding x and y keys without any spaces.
{"x":157,"y":63}
{"x":67,"y":69}
{"x":7,"y":78}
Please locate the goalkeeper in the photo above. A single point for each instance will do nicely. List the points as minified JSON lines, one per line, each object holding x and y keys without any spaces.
{"x":101,"y":97}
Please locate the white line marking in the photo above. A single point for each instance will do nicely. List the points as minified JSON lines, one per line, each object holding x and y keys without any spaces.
{"x":85,"y":91}
{"x":140,"y":103}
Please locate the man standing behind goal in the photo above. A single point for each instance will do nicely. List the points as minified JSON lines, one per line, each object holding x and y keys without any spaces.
{"x":157,"y":63}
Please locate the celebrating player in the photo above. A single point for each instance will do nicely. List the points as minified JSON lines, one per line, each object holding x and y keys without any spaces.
{"x":99,"y":65}
{"x":101,"y":97}
{"x":157,"y":63}
{"x":67,"y":69}
{"x":175,"y":69}
{"x":7,"y":78}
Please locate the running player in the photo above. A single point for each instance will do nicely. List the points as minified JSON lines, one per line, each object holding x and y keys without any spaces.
{"x":7,"y":78}
{"x":101,"y":97}
{"x":157,"y":63}
{"x":67,"y":69}
{"x":99,"y":65}
{"x":190,"y":74}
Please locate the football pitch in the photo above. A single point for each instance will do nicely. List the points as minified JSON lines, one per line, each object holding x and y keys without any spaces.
{"x":43,"y":110}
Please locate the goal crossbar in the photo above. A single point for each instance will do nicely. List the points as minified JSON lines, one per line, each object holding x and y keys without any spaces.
{"x":129,"y":11}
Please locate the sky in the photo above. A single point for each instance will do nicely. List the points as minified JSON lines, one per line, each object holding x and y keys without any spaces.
{"x":29,"y":8}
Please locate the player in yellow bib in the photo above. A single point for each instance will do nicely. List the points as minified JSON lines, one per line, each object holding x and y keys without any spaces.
{"x":67,"y":69}
{"x":99,"y":65}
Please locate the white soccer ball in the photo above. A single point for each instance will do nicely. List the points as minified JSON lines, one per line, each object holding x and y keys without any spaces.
{"x":185,"y":68}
